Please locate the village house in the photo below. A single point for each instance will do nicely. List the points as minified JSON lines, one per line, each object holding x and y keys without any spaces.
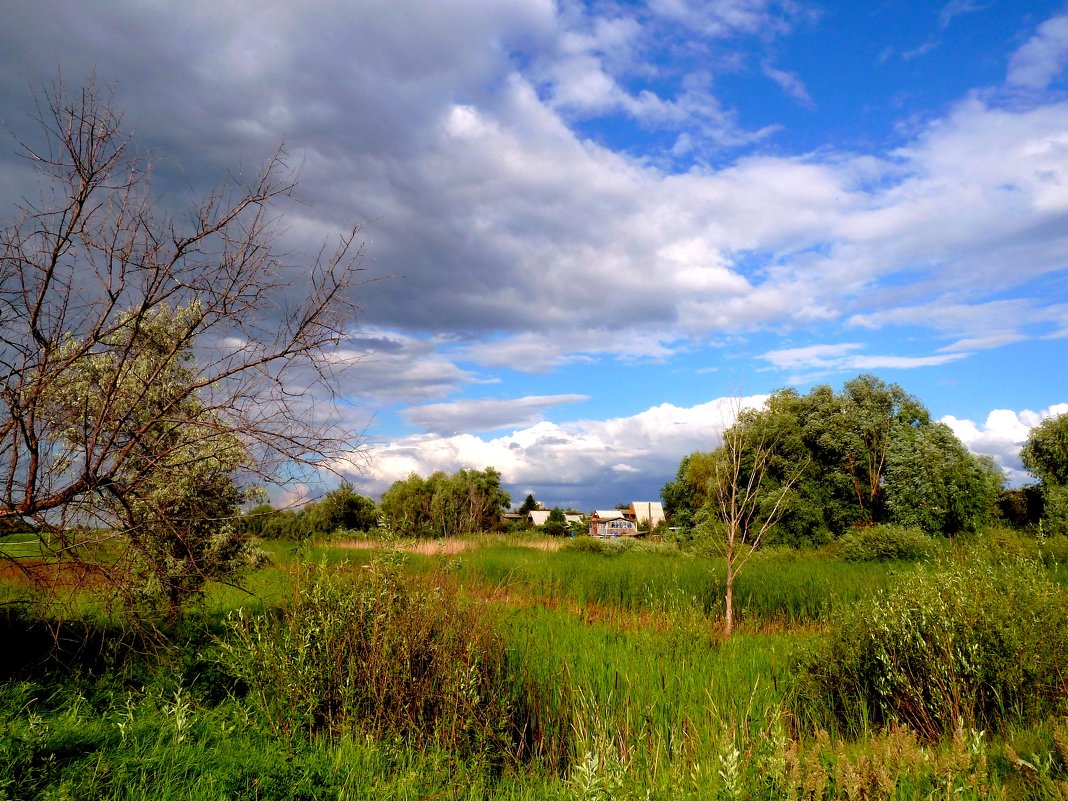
{"x":612,"y":523}
{"x":640,"y":517}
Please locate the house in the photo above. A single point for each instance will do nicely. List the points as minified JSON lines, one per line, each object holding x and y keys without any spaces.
{"x":648,"y":512}
{"x":612,"y":523}
{"x":573,"y":520}
{"x":538,"y":516}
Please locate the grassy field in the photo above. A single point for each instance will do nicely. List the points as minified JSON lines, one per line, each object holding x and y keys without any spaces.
{"x":616,"y":657}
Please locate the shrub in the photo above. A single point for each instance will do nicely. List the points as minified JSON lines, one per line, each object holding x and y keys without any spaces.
{"x":884,"y":542}
{"x":971,"y":643}
{"x":382,"y":653}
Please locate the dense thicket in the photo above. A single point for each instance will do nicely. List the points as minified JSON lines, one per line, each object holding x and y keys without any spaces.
{"x":943,"y":649}
{"x":869,"y":454}
{"x":467,"y":502}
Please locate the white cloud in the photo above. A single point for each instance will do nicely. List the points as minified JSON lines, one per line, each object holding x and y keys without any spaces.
{"x":958,"y":8}
{"x":515,"y":241}
{"x":821,"y":360}
{"x":719,"y":18}
{"x":1002,"y":436}
{"x":1043,"y":57}
{"x":810,"y":356}
{"x":790,"y":84}
{"x":584,"y":459}
{"x":392,"y":366}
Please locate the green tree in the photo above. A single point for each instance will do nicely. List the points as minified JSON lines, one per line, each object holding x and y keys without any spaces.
{"x":741,"y":507}
{"x":173,"y":498}
{"x":144,"y":359}
{"x":933,"y":482}
{"x":1045,"y":455}
{"x":467,"y":502}
{"x":556,"y":523}
{"x":529,"y":505}
{"x":341,"y":508}
{"x":837,"y":460}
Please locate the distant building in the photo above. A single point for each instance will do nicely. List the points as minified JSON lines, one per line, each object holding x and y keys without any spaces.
{"x":538,"y":516}
{"x":649,"y":512}
{"x":612,"y":523}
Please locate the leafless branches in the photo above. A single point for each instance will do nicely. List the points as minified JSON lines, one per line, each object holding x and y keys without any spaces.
{"x":746,"y":506}
{"x":87,"y":269}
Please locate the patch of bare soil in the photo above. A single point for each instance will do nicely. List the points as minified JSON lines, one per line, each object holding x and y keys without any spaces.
{"x":42,"y":574}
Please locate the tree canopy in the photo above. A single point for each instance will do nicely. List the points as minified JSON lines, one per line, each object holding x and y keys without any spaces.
{"x":868,"y":454}
{"x":467,"y":502}
{"x":1045,"y":455}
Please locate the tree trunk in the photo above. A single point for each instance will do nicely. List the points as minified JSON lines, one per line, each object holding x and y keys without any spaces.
{"x":728,"y":618}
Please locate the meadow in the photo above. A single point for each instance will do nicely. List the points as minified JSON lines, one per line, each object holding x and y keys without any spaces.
{"x":527,"y":669}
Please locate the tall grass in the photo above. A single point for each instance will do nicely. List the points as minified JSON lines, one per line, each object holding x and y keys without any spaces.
{"x":793,"y":590}
{"x":382,"y":654}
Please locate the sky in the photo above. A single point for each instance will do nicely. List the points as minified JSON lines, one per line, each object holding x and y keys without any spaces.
{"x":590,"y":227}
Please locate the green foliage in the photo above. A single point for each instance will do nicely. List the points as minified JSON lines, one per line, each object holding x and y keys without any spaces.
{"x":869,"y":454}
{"x":342,"y":508}
{"x":628,"y":694}
{"x":173,"y":497}
{"x":467,"y":502}
{"x":883,"y":543}
{"x":973,"y":643}
{"x":379,"y":653}
{"x":529,"y":505}
{"x":1045,"y":454}
{"x":934,"y":483}
{"x":555,"y":524}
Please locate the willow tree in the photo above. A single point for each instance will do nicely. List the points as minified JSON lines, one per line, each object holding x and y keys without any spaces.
{"x":140,"y":348}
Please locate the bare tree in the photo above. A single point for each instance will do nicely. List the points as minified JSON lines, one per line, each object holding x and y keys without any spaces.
{"x":88,"y":271}
{"x":744,"y":505}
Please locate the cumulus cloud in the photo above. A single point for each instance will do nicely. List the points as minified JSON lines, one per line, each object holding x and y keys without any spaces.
{"x":387,"y":366}
{"x":492,"y":215}
{"x":511,"y":236}
{"x":584,"y":462}
{"x":1002,"y":435}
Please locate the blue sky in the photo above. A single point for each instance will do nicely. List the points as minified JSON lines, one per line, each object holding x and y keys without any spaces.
{"x":589,"y":225}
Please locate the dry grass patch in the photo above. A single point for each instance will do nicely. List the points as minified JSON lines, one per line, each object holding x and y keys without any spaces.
{"x":451,"y":546}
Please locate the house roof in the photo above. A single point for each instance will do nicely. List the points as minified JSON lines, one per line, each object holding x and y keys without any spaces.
{"x":572,"y":518}
{"x":653,"y":511}
{"x":538,"y":516}
{"x":610,"y":514}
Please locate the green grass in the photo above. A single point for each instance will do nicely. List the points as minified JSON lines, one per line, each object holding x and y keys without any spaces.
{"x":769,"y":590}
{"x":622,"y":653}
{"x":26,"y":545}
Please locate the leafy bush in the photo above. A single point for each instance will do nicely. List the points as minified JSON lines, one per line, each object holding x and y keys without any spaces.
{"x":1010,"y":544}
{"x":382,"y":653}
{"x":884,"y":542}
{"x":972,"y":643}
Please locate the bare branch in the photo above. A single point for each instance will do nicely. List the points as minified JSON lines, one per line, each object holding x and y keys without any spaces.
{"x":86,"y":276}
